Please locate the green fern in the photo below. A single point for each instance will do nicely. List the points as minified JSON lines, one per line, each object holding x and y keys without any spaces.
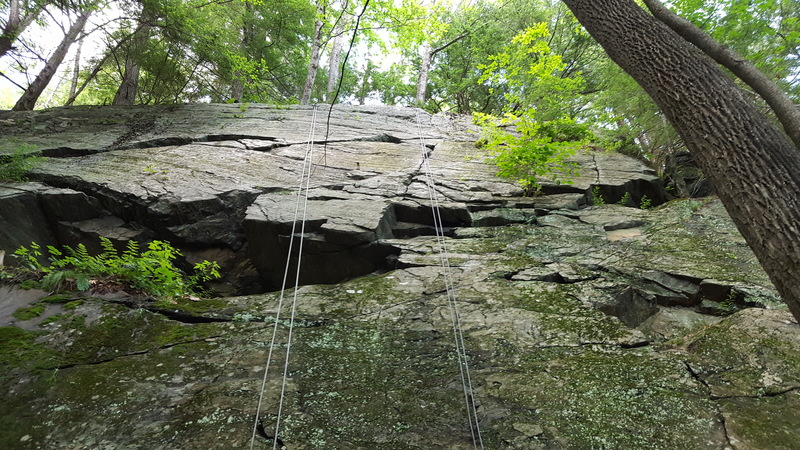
{"x":152,"y":271}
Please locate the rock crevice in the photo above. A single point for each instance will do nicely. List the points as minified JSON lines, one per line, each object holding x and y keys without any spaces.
{"x":581,"y":322}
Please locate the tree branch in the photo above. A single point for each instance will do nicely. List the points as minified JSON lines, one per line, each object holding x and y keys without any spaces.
{"x":787,"y":112}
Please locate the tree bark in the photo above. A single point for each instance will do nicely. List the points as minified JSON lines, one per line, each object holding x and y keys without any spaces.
{"x":335,"y":58}
{"x":248,"y":32}
{"x":28,"y":99}
{"x":76,"y":69}
{"x":754,"y":168}
{"x":364,"y":90}
{"x":97,"y":68}
{"x":424,"y":69}
{"x":316,"y":51}
{"x":787,"y":112}
{"x":129,"y":86}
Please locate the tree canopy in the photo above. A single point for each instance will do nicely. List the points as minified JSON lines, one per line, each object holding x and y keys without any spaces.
{"x":434,"y":53}
{"x":430,"y":52}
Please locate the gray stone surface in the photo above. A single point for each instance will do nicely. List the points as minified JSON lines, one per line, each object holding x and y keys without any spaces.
{"x":586,"y":326}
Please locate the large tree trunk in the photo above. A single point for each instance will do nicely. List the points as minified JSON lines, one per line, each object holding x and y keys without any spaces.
{"x":15,"y":25}
{"x":427,"y":52}
{"x":787,"y":112}
{"x":365,"y":81}
{"x":129,"y":86}
{"x":754,"y":168}
{"x":336,"y":52}
{"x":316,"y":52}
{"x":28,"y":99}
{"x":97,"y":68}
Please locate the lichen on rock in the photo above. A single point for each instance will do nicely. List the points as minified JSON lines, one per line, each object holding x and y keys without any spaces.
{"x":585,"y":326}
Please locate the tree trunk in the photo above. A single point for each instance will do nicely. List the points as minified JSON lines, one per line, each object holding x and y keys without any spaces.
{"x":785,"y":109}
{"x":28,"y":99}
{"x":15,"y":25}
{"x":754,"y":168}
{"x":129,"y":86}
{"x":248,"y":31}
{"x":97,"y":68}
{"x":364,"y":90}
{"x":76,"y":70}
{"x":11,"y":30}
{"x":427,"y":53}
{"x":336,"y":51}
{"x":424,"y":68}
{"x":316,"y":52}
{"x":333,"y":63}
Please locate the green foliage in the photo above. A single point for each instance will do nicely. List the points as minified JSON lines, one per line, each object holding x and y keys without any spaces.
{"x":29,"y":257}
{"x":597,"y":198}
{"x":539,"y":130}
{"x":645,"y":202}
{"x":730,"y":301}
{"x":531,"y":77}
{"x":14,"y":166}
{"x":151,"y":271}
{"x":530,"y":153}
{"x":626,"y":198}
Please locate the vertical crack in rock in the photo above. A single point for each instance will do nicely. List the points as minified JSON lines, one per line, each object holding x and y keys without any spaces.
{"x":725,"y":431}
{"x":697,"y":376}
{"x":720,"y":415}
{"x":596,"y":169}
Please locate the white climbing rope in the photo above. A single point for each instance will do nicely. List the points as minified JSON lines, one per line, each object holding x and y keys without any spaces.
{"x":458,"y":335}
{"x":302,"y":193}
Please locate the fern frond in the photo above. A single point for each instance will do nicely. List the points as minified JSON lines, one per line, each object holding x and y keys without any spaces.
{"x":53,"y":281}
{"x":82,"y":282}
{"x":110,"y":251}
{"x":82,"y":253}
{"x":131,"y":250}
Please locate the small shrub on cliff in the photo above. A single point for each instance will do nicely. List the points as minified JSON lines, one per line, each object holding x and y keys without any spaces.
{"x":14,"y":167}
{"x":537,"y":127}
{"x":535,"y":150}
{"x":151,"y":271}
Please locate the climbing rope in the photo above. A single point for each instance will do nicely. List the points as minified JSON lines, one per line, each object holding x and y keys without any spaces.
{"x":458,"y":335}
{"x":302,"y":193}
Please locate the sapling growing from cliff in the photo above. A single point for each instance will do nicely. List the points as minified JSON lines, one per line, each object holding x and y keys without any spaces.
{"x":14,"y":166}
{"x":539,"y":129}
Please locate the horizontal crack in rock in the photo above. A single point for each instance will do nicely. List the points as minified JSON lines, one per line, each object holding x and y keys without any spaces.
{"x":136,"y":353}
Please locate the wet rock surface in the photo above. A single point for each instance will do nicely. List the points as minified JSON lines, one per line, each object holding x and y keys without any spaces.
{"x":586,"y":326}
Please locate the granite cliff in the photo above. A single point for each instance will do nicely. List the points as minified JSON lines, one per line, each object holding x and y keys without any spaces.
{"x":587,"y":325}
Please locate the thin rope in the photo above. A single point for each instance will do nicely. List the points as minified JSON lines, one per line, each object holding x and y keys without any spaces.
{"x":458,"y":335}
{"x":309,"y":157}
{"x":307,"y":162}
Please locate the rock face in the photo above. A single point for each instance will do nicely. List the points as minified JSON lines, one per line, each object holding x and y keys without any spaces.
{"x":602,"y":326}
